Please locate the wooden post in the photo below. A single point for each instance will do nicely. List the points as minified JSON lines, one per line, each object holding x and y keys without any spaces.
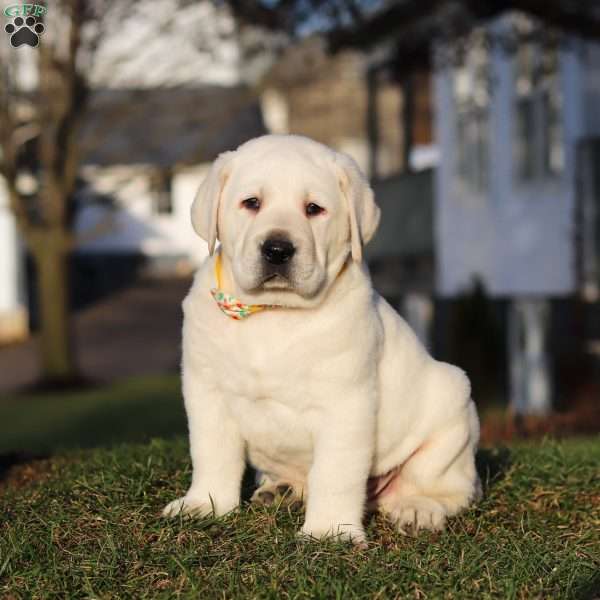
{"x":408,"y":118}
{"x":372,"y":122}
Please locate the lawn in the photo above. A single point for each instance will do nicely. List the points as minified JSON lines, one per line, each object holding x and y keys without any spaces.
{"x":85,"y":524}
{"x":133,"y":410}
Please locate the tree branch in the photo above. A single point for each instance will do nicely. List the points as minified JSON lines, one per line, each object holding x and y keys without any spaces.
{"x":578,"y":18}
{"x":251,"y":11}
{"x":401,"y":18}
{"x":61,"y":103}
{"x":8,"y":168}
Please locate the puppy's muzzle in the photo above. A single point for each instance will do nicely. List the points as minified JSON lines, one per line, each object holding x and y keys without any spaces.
{"x":277,"y":250}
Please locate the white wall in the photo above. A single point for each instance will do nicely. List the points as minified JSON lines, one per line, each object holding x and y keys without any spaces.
{"x":13,"y":312}
{"x":10,"y":259}
{"x":133,"y":225}
{"x":517,"y":239}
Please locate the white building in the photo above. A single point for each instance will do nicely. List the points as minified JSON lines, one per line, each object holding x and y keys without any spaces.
{"x":148,"y":151}
{"x":512,"y":124}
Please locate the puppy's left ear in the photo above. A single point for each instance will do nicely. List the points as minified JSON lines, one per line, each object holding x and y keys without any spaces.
{"x":360,"y":200}
{"x":205,"y":207}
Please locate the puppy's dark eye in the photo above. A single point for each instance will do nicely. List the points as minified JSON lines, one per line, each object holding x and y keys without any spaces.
{"x":251,"y":203}
{"x":313,"y":209}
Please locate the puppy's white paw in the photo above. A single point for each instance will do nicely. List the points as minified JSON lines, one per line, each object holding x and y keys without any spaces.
{"x":418,"y":512}
{"x":341,"y":532}
{"x":189,"y":506}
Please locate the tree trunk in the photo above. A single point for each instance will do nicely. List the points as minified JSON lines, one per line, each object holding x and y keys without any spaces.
{"x":57,"y":357}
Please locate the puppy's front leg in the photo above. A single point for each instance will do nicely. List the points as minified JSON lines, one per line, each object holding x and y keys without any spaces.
{"x":216,"y":448}
{"x":337,"y":481}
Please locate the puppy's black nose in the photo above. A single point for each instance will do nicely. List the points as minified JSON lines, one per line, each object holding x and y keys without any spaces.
{"x":277,"y":251}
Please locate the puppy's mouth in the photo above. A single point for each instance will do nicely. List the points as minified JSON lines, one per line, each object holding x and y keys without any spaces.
{"x":275,"y":281}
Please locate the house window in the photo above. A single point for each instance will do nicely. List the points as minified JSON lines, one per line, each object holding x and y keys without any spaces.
{"x":538,"y":151}
{"x":472,"y":100}
{"x":162,"y":196}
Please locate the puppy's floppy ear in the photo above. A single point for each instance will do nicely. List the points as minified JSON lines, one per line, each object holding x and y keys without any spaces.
{"x":360,"y":201}
{"x":205,"y":207}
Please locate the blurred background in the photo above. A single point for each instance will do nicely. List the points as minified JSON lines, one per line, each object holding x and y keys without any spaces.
{"x":477,"y":122}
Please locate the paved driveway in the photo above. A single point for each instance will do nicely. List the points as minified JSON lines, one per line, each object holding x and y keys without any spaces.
{"x":136,"y":331}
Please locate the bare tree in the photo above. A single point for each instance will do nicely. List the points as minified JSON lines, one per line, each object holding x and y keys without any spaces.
{"x":362,"y":23}
{"x":38,"y":134}
{"x":44,"y":94}
{"x":47,"y":103}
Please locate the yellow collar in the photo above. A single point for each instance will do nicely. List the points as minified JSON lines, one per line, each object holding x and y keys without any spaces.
{"x":228,"y":303}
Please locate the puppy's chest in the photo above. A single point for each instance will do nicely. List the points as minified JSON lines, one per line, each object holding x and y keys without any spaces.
{"x":259,"y":367}
{"x":272,"y":430}
{"x":266,"y":385}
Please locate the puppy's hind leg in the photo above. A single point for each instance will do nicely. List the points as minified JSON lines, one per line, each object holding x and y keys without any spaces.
{"x":438,"y":481}
{"x":277,"y":491}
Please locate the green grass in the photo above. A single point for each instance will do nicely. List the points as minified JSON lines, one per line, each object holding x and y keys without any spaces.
{"x":133,"y":410}
{"x":88,"y":526}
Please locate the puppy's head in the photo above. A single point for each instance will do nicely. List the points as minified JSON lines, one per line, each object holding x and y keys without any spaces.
{"x":287,"y":211}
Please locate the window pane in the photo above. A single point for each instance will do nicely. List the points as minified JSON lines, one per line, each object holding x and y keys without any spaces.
{"x":538,"y":150}
{"x":524,"y":132}
{"x":482,"y":151}
{"x":524,"y":139}
{"x":461,"y":146}
{"x":552,"y":143}
{"x":472,"y":99}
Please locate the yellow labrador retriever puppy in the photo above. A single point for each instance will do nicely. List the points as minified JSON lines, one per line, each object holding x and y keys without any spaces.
{"x":292,"y":361}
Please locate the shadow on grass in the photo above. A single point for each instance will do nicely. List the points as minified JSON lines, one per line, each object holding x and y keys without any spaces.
{"x":131,"y":410}
{"x":589,"y":590}
{"x":492,"y":464}
{"x":10,"y":460}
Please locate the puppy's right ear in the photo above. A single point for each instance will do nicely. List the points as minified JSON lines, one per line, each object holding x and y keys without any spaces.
{"x":205,"y":207}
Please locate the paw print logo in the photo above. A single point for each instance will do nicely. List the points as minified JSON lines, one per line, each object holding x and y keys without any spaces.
{"x":24,"y":31}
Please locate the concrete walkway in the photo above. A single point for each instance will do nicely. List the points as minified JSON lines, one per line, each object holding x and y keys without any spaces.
{"x":136,"y":331}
